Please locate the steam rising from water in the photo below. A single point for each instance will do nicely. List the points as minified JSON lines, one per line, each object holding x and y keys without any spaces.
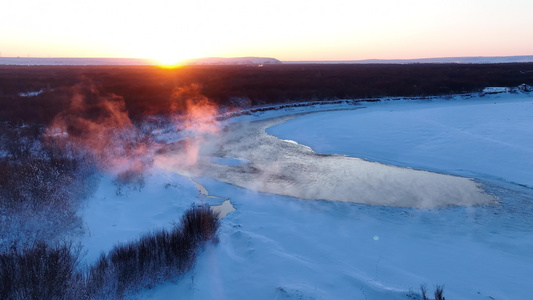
{"x":194,"y":113}
{"x":98,"y":123}
{"x":286,"y":168}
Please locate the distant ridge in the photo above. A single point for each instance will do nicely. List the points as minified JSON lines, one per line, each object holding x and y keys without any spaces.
{"x":82,"y":61}
{"x":88,"y":61}
{"x":232,"y":61}
{"x":443,"y":60}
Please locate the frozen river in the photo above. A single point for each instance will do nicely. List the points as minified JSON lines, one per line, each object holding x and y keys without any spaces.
{"x":284,"y":167}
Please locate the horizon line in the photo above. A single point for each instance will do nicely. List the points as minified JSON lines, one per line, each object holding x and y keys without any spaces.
{"x":445,"y":59}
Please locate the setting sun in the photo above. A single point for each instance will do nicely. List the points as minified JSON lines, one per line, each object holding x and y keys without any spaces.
{"x":168,"y":61}
{"x":166,"y":52}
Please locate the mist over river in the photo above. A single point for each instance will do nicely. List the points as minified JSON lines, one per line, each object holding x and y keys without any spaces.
{"x":285,"y":167}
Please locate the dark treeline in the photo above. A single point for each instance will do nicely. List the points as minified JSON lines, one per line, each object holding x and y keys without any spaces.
{"x":147,"y":89}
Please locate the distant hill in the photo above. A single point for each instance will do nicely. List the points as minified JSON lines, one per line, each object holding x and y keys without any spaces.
{"x":73,"y":61}
{"x":232,"y":61}
{"x":29,"y":61}
{"x":88,"y":61}
{"x":437,"y":60}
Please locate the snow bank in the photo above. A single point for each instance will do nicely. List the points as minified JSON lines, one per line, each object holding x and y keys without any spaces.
{"x":496,"y":90}
{"x":118,"y":214}
{"x":31,"y":94}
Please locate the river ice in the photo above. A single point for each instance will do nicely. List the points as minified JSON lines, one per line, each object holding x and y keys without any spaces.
{"x":285,"y":167}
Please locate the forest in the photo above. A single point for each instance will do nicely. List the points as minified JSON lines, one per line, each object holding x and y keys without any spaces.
{"x":36,"y":94}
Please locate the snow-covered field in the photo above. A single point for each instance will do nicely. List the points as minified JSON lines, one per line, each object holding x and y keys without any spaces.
{"x":274,"y":246}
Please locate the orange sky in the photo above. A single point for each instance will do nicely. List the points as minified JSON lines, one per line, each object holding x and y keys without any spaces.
{"x":287,"y":30}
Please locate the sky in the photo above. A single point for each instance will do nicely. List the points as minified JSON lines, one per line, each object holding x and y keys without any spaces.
{"x":288,"y":30}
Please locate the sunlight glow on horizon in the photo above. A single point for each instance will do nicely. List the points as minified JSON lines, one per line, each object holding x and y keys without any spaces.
{"x":170,"y":31}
